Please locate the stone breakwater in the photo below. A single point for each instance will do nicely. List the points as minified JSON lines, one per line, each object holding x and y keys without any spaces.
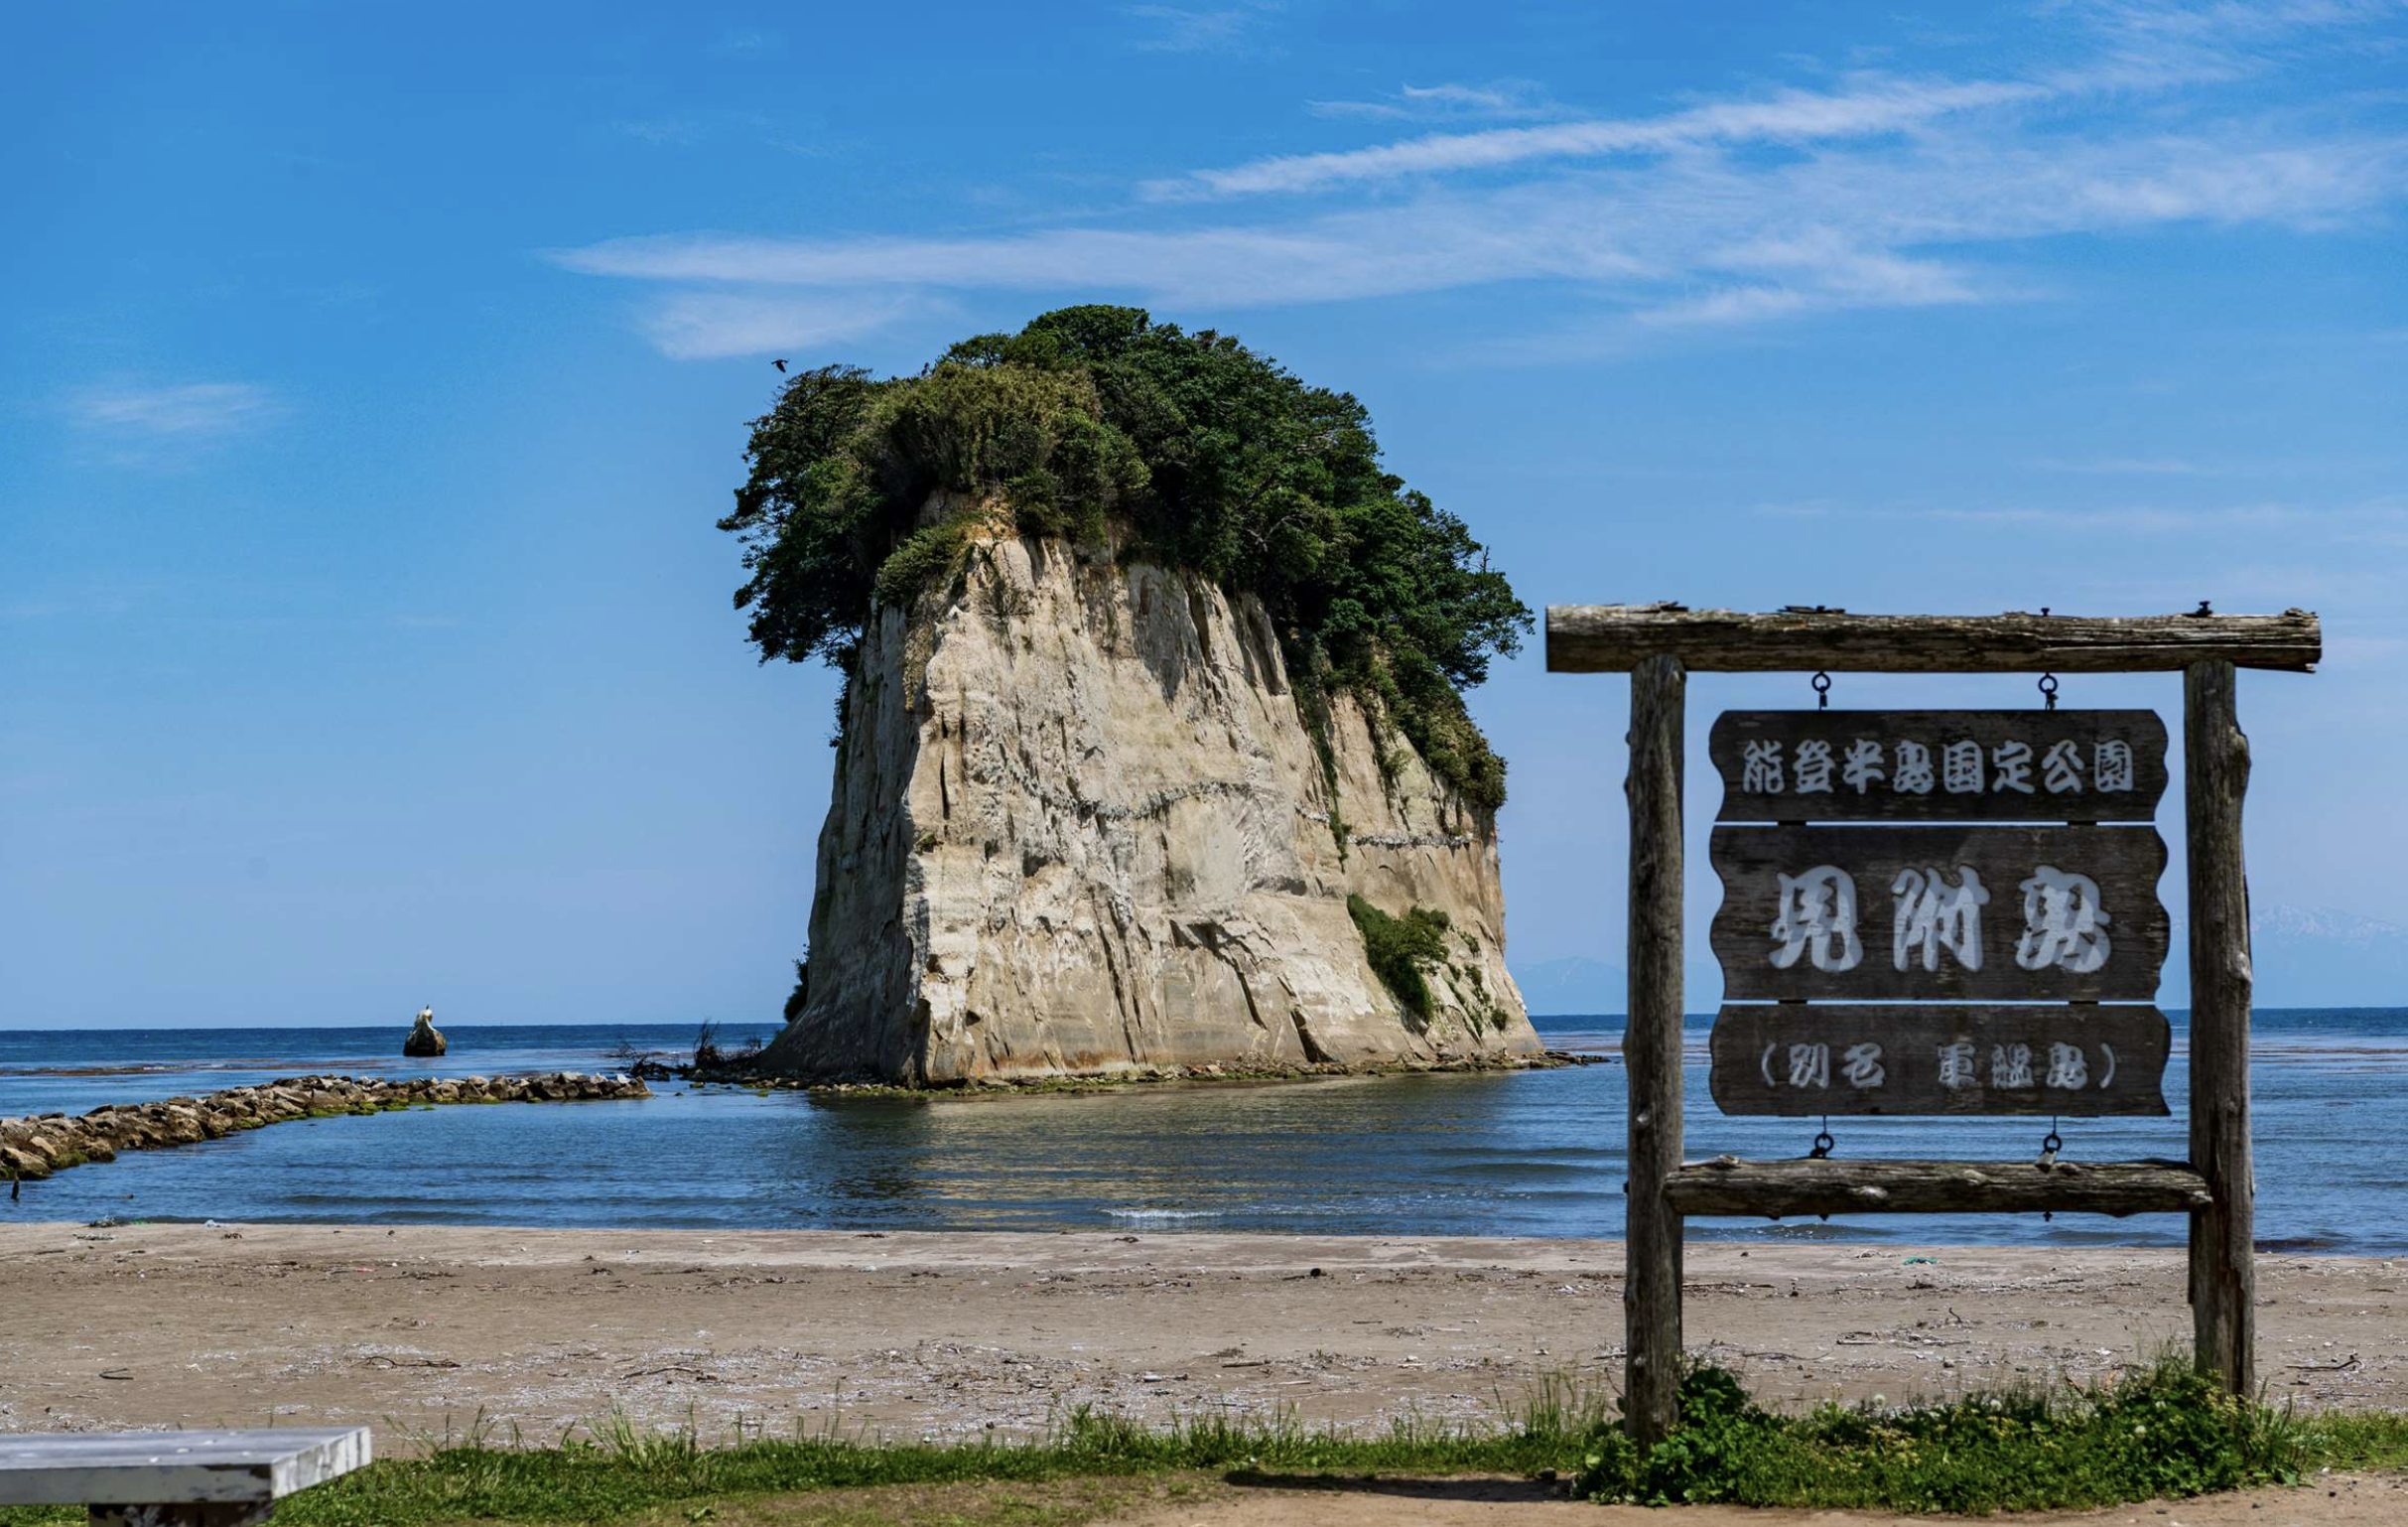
{"x":46,"y":1142}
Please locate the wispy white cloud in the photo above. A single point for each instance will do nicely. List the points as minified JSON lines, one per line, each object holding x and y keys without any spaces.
{"x":1382,"y":252}
{"x":2141,"y":47}
{"x":1184,"y":29}
{"x":2151,"y":45}
{"x":1874,"y":107}
{"x":1497,"y":101}
{"x":2221,"y":23}
{"x":1823,"y":231}
{"x":1816,"y":268}
{"x":710,"y":325}
{"x":185,"y":412}
{"x":1878,"y":192}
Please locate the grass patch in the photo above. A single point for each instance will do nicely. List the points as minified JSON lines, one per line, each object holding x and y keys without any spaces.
{"x":1070,"y":1502}
{"x":2165,"y":1430}
{"x":622,"y":1471}
{"x":2358,"y":1440}
{"x":2160,"y":1432}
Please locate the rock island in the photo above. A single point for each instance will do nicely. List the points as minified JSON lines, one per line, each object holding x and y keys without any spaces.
{"x":1152,"y":752}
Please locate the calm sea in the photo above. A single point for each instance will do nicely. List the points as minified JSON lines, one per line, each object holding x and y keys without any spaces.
{"x":1528,"y":1153}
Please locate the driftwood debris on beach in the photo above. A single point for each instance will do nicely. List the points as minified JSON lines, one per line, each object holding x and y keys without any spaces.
{"x":36,"y":1146}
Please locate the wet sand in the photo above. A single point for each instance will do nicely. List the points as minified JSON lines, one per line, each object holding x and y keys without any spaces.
{"x":424,"y":1328}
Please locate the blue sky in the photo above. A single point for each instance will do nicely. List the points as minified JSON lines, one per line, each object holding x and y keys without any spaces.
{"x":371,"y":378}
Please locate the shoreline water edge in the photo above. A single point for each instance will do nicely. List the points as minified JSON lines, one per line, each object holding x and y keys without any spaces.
{"x":1519,"y":1153}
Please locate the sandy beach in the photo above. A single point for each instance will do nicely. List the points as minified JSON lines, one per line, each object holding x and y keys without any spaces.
{"x":423,"y":1328}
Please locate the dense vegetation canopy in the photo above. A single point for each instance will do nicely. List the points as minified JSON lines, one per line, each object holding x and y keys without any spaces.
{"x":1100,"y":425}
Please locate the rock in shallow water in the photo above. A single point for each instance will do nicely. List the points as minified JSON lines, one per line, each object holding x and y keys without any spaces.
{"x":425,"y":1039}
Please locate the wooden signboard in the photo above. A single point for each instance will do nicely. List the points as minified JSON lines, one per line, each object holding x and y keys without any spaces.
{"x":1931,"y":913}
{"x":2078,"y":1061}
{"x":1993,"y":921}
{"x":1940,"y":766}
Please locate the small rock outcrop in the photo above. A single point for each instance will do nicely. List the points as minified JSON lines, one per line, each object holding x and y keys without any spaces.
{"x":36,"y":1146}
{"x":1081,"y":826}
{"x":425,"y":1041}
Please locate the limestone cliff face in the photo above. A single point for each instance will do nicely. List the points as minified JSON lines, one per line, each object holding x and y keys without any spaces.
{"x":1079,"y":827}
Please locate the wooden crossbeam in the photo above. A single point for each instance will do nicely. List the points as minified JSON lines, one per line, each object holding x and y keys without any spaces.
{"x":1729,"y":1185}
{"x":1616,"y":638}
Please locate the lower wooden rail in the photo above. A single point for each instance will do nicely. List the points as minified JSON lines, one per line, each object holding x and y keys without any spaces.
{"x":1729,"y":1185}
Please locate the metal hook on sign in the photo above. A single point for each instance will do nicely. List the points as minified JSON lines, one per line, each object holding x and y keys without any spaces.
{"x":1822,"y":1142}
{"x":2050,"y":1144}
{"x":1822,"y":690}
{"x":2048,"y":681}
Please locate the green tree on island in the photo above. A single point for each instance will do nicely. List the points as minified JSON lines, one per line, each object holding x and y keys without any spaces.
{"x":1099,"y":425}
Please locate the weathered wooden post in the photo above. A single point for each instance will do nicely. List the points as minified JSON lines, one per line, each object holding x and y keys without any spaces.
{"x":1650,"y":1050}
{"x":2223,"y":1276}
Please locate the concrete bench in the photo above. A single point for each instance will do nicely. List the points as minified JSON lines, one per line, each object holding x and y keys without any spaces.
{"x":174,"y":1478}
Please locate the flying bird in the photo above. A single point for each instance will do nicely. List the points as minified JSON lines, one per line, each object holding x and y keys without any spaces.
{"x":780,"y":364}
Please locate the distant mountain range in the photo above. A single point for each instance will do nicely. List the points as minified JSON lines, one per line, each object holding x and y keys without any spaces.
{"x":1584,"y":986}
{"x":2306,"y":957}
{"x":2309,"y":957}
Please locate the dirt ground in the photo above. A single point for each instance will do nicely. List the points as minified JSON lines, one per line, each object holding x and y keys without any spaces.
{"x":423,"y":1330}
{"x":1240,"y":1501}
{"x":2333,"y":1501}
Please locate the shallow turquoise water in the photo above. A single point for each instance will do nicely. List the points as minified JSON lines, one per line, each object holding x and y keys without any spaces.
{"x":1527,"y":1154}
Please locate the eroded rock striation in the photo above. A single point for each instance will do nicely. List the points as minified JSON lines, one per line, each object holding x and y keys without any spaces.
{"x":46,"y":1142}
{"x":1081,"y":826}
